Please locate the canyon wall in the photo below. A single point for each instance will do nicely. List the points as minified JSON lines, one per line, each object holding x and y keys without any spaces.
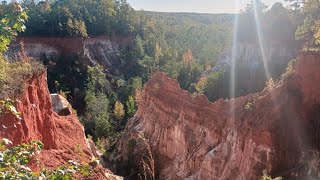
{"x":250,"y":53}
{"x":63,"y":136}
{"x":251,"y":72}
{"x":103,"y":50}
{"x":191,"y":138}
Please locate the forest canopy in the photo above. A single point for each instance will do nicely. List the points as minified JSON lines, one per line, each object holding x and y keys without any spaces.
{"x":80,"y":18}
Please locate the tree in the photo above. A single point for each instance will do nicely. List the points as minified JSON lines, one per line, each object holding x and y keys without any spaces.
{"x":119,"y":110}
{"x":211,"y":84}
{"x":131,"y":108}
{"x":97,"y":104}
{"x":97,"y":81}
{"x":255,"y":5}
{"x":11,"y":23}
{"x":309,"y":30}
{"x":296,"y":4}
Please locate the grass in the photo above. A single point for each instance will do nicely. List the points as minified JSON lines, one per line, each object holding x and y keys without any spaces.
{"x":15,"y":72}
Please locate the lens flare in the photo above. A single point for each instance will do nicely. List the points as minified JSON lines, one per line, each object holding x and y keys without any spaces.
{"x":233,"y":60}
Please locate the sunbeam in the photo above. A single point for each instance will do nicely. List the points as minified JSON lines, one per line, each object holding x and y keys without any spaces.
{"x":233,"y":59}
{"x":261,"y":39}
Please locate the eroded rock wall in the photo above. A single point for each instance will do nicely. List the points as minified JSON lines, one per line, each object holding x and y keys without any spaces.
{"x":192,"y":138}
{"x":101,"y":50}
{"x":63,"y":136}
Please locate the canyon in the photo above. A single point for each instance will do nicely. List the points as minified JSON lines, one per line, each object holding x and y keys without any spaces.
{"x":63,"y":136}
{"x":189,"y":137}
{"x":276,"y":130}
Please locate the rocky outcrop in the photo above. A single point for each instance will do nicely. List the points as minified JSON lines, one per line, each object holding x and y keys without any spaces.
{"x":103,"y":50}
{"x":191,"y":138}
{"x":63,"y":136}
{"x":61,"y":105}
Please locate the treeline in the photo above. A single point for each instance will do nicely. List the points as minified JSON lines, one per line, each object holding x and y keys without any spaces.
{"x":279,"y":26}
{"x":78,"y":18}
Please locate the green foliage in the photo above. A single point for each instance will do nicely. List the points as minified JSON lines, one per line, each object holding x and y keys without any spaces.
{"x":11,"y":23}
{"x":131,"y":107}
{"x":162,"y":40}
{"x":212,"y":83}
{"x":97,"y":81}
{"x":309,"y":30}
{"x":189,"y":75}
{"x":133,"y":85}
{"x":13,"y":160}
{"x":200,"y":85}
{"x":7,"y":106}
{"x":14,"y":163}
{"x":97,"y":107}
{"x":103,"y":144}
{"x":13,"y":75}
{"x":67,"y":74}
{"x":79,"y":18}
{"x":97,"y":118}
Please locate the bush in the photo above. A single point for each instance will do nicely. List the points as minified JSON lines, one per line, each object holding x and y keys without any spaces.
{"x":13,"y":75}
{"x":14,"y":163}
{"x":267,"y":177}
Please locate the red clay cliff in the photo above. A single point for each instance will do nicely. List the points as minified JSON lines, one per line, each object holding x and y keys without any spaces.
{"x":63,"y":136}
{"x":191,"y":138}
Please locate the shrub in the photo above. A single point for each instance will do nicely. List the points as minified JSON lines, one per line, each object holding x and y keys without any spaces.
{"x":267,"y":177}
{"x":14,"y":73}
{"x":7,"y":106}
{"x":14,"y":161}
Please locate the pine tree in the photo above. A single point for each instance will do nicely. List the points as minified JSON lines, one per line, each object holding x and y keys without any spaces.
{"x":119,"y":110}
{"x":131,"y":108}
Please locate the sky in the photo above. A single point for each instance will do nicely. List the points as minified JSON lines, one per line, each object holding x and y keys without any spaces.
{"x":200,"y":6}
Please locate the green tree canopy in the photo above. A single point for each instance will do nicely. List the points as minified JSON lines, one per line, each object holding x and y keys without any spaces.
{"x":12,"y":22}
